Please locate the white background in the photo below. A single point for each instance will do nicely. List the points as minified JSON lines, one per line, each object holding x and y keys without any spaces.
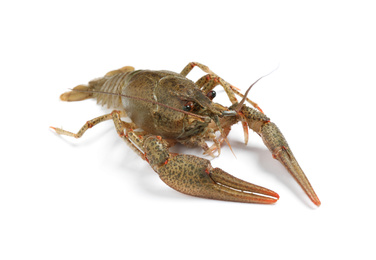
{"x":93,"y":198}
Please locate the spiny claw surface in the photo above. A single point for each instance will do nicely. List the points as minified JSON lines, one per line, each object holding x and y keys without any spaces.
{"x":288,"y":160}
{"x":278,"y":146}
{"x":195,"y":176}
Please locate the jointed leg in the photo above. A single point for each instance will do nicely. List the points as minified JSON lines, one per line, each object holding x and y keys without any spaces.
{"x":122,"y":128}
{"x":86,"y":126}
{"x":211,"y":75}
{"x":206,"y":83}
{"x":191,"y":65}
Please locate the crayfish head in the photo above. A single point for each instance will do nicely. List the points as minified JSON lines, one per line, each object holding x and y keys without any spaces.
{"x":196,"y":102}
{"x":184,"y":95}
{"x":186,"y":108}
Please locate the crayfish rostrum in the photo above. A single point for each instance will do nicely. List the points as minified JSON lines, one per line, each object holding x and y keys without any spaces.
{"x":166,"y":108}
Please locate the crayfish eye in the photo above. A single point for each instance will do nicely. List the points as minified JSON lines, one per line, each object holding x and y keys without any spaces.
{"x":211,"y":94}
{"x":188,"y":106}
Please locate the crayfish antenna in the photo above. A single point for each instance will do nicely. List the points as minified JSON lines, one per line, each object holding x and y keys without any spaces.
{"x":239,"y":106}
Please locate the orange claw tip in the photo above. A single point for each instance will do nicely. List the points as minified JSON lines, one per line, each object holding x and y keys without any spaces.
{"x":265,"y":200}
{"x":228,"y":187}
{"x":316,"y":200}
{"x":53,"y":128}
{"x":275,"y":195}
{"x":266,"y":193}
{"x":269,"y":200}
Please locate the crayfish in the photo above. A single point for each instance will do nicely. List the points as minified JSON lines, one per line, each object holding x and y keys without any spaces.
{"x":166,"y":108}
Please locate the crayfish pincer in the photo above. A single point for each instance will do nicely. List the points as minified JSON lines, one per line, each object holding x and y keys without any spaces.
{"x":166,"y":108}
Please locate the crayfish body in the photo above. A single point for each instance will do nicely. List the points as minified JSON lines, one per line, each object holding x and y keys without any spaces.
{"x":166,"y":108}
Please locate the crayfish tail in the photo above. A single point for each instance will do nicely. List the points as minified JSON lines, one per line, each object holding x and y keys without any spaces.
{"x":81,"y":92}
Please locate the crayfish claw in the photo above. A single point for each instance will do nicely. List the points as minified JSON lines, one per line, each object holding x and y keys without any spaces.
{"x":239,"y":190}
{"x":277,"y":145}
{"x":288,"y":160}
{"x":280,"y":150}
{"x":195,"y":176}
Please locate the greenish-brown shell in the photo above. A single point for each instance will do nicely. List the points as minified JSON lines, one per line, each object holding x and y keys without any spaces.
{"x":161,"y":87}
